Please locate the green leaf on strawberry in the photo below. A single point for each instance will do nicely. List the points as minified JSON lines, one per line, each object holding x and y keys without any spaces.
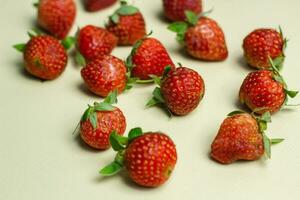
{"x":236,"y":112}
{"x":111,"y":169}
{"x":134,"y":133}
{"x":191,"y":17}
{"x":20,"y":47}
{"x":68,"y":42}
{"x":118,"y":142}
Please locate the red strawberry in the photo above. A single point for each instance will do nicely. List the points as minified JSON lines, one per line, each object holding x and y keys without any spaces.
{"x":241,"y":137}
{"x":56,"y":16}
{"x":148,"y":57}
{"x":265,"y":90}
{"x":105,"y":75}
{"x":99,"y":120}
{"x":94,"y":42}
{"x":44,"y":56}
{"x":174,"y":9}
{"x":95,"y":5}
{"x":149,"y":158}
{"x":202,"y":37}
{"x":127,"y":23}
{"x":261,"y":44}
{"x":181,"y":90}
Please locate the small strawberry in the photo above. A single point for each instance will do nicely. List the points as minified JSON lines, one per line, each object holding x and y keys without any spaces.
{"x":93,"y":42}
{"x":174,"y":9}
{"x":127,"y":23}
{"x":241,"y":137}
{"x":148,"y":57}
{"x":149,"y":158}
{"x":56,"y":16}
{"x":95,"y":5}
{"x":105,"y":75}
{"x":44,"y":56}
{"x":99,"y":120}
{"x":265,"y":91}
{"x":181,"y":90}
{"x":202,"y":37}
{"x":263,"y":43}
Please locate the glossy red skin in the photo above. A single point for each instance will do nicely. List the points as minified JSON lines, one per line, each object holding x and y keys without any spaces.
{"x":105,"y":75}
{"x":182,"y":90}
{"x":57,"y":16}
{"x":94,"y":42}
{"x":238,"y":139}
{"x":96,"y":5}
{"x":150,"y":58}
{"x":260,"y":44}
{"x":107,"y":121}
{"x":129,"y":29}
{"x":259,"y":90}
{"x":206,"y":41}
{"x":50,"y":54}
{"x":150,"y":159}
{"x":174,"y":9}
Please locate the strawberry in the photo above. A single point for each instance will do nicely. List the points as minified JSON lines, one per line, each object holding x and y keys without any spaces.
{"x":148,"y":57}
{"x":265,"y":90}
{"x":95,"y":5}
{"x":149,"y":158}
{"x":56,"y":16}
{"x":44,"y":56}
{"x":241,"y":137}
{"x":180,"y":91}
{"x":127,"y":23}
{"x":174,"y":9}
{"x":105,"y":75}
{"x":263,"y":43}
{"x":94,"y":42}
{"x":202,"y":37}
{"x":99,"y":120}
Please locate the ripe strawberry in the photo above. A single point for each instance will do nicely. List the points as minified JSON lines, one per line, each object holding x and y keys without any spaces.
{"x":99,"y":120}
{"x":56,"y":16}
{"x":181,"y":90}
{"x":45,"y":57}
{"x":94,"y":42}
{"x":174,"y":9}
{"x":265,"y":90}
{"x":127,"y":23}
{"x":148,"y":157}
{"x":148,"y":57}
{"x":202,"y":37}
{"x":105,"y":75}
{"x":261,"y":44}
{"x":95,"y":5}
{"x":241,"y":137}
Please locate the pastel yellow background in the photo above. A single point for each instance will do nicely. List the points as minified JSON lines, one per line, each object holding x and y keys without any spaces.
{"x":41,"y":159}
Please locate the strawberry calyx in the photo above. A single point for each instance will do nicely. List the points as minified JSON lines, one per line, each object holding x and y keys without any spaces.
{"x":278,"y":77}
{"x":262,"y":121}
{"x":22,"y":46}
{"x":157,"y":98}
{"x":119,"y":144}
{"x":91,"y":112}
{"x":181,"y":27}
{"x":124,"y":9}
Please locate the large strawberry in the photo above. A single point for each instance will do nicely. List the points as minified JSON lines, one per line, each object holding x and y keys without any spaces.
{"x":148,"y":57}
{"x":265,"y":90}
{"x":99,"y":120}
{"x":174,"y":9}
{"x":180,"y":91}
{"x":127,"y":23}
{"x":44,"y":56}
{"x":95,"y":5}
{"x":149,"y":157}
{"x":93,"y":42}
{"x":105,"y":75}
{"x":241,"y":137}
{"x":56,"y":16}
{"x":202,"y":37}
{"x":263,"y":43}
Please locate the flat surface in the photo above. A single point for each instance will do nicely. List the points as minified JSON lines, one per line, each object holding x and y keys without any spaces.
{"x":41,"y":159}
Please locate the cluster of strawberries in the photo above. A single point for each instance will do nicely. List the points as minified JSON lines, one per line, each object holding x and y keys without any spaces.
{"x":151,"y":157}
